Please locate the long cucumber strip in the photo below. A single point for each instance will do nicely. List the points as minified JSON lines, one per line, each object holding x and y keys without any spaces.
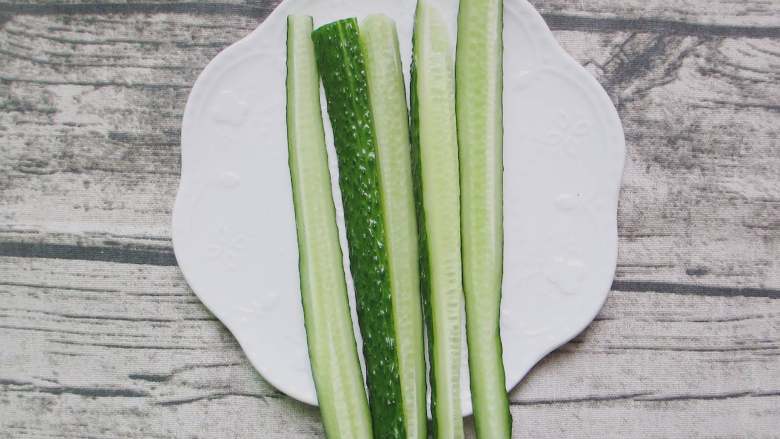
{"x":343,"y":71}
{"x":479,"y":87}
{"x":391,"y":121}
{"x":435,"y":156}
{"x":332,"y":349}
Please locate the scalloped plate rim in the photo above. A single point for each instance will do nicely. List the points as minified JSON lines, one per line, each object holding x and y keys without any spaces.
{"x":180,"y":206}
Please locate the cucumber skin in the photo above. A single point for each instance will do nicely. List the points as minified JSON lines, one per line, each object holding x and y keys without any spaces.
{"x":445,"y":425}
{"x":479,"y":71}
{"x":342,"y":68}
{"x":330,"y":338}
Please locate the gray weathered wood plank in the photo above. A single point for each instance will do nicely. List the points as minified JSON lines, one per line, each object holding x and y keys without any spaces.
{"x":724,"y":15}
{"x":101,"y":337}
{"x":92,"y":106}
{"x":105,"y":350}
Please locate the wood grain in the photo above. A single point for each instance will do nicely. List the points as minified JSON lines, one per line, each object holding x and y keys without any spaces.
{"x":102,"y":338}
{"x":721,"y":15}
{"x":87,"y":343}
{"x":90,"y":141}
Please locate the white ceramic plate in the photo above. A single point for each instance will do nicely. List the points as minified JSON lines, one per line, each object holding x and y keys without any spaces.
{"x":233,"y":222}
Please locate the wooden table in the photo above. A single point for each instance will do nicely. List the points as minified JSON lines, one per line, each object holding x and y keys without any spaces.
{"x":100,"y":337}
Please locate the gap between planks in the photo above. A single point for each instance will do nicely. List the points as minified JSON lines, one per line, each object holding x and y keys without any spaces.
{"x":164,"y":257}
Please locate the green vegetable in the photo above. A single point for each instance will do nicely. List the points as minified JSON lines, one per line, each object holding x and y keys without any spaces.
{"x":391,"y":122}
{"x":376,"y":191}
{"x":479,"y":88}
{"x":332,"y":349}
{"x":435,"y":156}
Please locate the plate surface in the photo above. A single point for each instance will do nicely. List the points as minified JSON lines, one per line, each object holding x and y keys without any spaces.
{"x":234,"y":226}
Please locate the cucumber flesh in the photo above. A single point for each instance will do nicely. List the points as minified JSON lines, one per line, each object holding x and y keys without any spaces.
{"x":435,"y":156}
{"x":342,"y":67}
{"x":479,"y":86}
{"x":332,"y":349}
{"x":391,"y":122}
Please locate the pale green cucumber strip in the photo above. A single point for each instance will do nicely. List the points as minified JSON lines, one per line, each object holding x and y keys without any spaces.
{"x":479,"y":84}
{"x":332,"y":348}
{"x":391,"y":125}
{"x":436,"y":155}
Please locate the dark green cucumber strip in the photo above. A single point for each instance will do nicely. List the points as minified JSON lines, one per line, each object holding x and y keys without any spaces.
{"x":391,"y":122}
{"x":343,"y":70}
{"x":331,"y":341}
{"x":435,"y":157}
{"x":478,"y":88}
